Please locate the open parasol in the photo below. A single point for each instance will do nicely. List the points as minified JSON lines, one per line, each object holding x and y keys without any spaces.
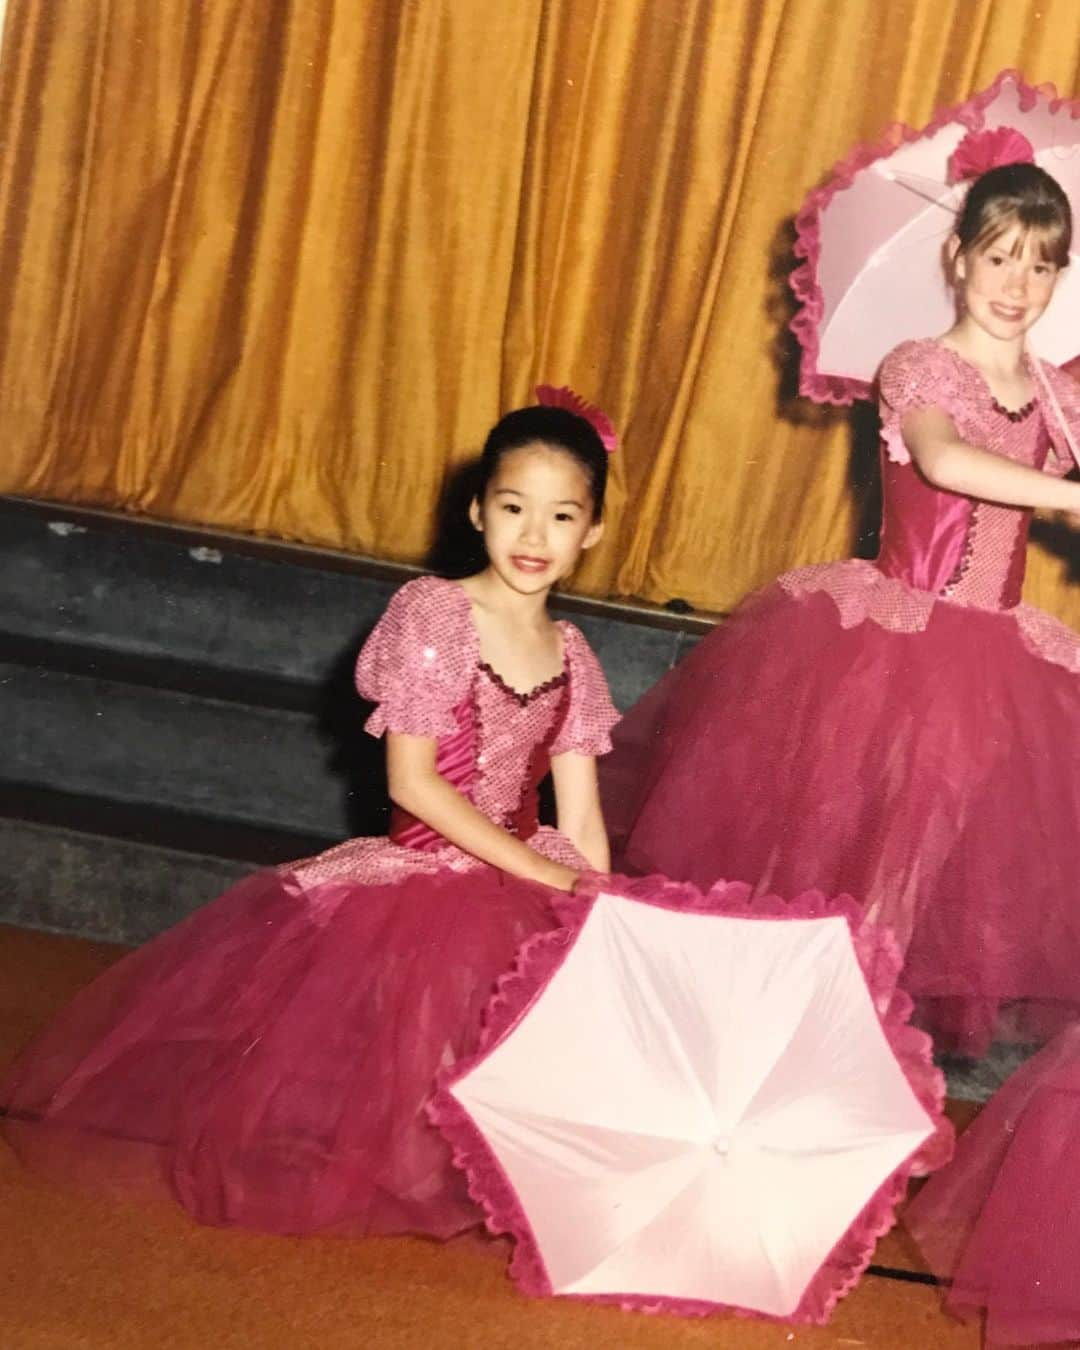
{"x":693,"y":1102}
{"x":873,"y":239}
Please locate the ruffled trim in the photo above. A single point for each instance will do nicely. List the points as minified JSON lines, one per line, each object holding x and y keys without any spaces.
{"x":861,"y":592}
{"x":927,"y":374}
{"x":1045,"y":636}
{"x":418,"y":662}
{"x":406,"y":718}
{"x":591,"y":715}
{"x":841,"y":389}
{"x":892,"y":437}
{"x":879,"y":958}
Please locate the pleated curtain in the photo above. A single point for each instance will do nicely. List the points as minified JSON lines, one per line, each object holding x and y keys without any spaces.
{"x":276,"y":265}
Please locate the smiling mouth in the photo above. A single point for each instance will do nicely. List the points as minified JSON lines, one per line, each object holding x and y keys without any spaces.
{"x":1004,"y":312}
{"x":527,"y":564}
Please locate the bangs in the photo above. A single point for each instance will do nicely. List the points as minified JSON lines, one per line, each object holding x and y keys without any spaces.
{"x":1052,"y":235}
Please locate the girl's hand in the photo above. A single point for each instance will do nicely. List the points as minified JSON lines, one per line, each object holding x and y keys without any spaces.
{"x":588,"y":883}
{"x":557,"y":876}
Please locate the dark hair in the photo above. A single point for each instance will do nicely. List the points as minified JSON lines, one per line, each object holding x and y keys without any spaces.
{"x":1017,"y":194}
{"x":560,"y":429}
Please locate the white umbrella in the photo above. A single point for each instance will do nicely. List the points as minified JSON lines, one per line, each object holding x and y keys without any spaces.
{"x":696,"y":1107}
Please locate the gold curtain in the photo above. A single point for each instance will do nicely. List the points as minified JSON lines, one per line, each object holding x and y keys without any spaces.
{"x":276,"y":265}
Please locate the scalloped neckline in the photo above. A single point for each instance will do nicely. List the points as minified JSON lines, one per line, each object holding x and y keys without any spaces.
{"x":522,"y":698}
{"x":1016,"y":414}
{"x":1011,"y":413}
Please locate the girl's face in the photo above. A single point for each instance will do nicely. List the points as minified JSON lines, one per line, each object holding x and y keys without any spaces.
{"x":1006,"y":284}
{"x":536,"y":517}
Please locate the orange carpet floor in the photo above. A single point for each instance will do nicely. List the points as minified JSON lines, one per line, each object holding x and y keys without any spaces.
{"x":82,"y":1274}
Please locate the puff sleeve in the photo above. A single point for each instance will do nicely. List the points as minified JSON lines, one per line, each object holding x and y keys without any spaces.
{"x":920,"y":374}
{"x":419,"y":660}
{"x":590,"y":714}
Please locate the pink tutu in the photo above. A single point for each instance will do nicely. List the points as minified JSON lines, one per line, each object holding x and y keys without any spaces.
{"x":267,"y":1062}
{"x":925,"y":772}
{"x":903,"y":731}
{"x":1000,"y":1220}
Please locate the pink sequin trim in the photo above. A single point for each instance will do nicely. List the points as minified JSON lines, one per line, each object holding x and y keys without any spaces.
{"x":377,"y":861}
{"x":1047,"y":637}
{"x":924,"y":374}
{"x":860,"y":593}
{"x":586,"y":730}
{"x":418,"y":663}
{"x":420,"y":660}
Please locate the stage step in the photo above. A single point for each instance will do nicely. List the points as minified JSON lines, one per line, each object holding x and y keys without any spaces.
{"x":112,"y":890}
{"x":171,"y":694}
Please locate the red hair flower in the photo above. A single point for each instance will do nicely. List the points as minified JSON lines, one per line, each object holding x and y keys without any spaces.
{"x":981,"y":151}
{"x":564,"y":397}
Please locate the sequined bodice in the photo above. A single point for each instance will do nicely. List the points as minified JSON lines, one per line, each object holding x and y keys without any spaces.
{"x":938,"y":548}
{"x":497,"y":755}
{"x":422,"y":668}
{"x":955,"y":547}
{"x":513,"y":735}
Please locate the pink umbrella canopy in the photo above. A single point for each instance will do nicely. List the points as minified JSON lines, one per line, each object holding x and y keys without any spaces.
{"x":697,"y":1102}
{"x":873,"y":238}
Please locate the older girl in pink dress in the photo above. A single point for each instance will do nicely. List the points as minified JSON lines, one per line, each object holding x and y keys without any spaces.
{"x":905,"y":730}
{"x":268,"y":1060}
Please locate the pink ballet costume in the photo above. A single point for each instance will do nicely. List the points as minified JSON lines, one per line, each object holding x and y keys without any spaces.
{"x":1000,"y":1221}
{"x":902,"y":730}
{"x":267,"y":1061}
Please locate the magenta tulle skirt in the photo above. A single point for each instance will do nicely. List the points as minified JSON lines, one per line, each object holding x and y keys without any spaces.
{"x":930,"y":774}
{"x":268,"y":1061}
{"x":1000,"y":1221}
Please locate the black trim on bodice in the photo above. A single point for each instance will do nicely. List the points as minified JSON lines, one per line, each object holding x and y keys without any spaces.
{"x":520,"y":698}
{"x":1015,"y":414}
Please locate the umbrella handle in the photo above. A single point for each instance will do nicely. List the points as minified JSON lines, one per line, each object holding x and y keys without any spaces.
{"x":1052,"y":399}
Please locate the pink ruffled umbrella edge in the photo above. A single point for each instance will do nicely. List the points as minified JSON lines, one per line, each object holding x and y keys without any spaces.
{"x":843,"y":390}
{"x":538,"y":960}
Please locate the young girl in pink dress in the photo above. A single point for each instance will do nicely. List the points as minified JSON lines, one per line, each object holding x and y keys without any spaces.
{"x":268,"y":1061}
{"x":905,"y":730}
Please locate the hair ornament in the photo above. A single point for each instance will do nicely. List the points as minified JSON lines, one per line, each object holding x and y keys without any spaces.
{"x":981,"y":151}
{"x":564,"y":397}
